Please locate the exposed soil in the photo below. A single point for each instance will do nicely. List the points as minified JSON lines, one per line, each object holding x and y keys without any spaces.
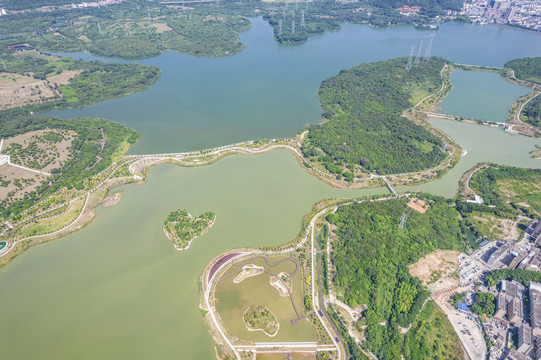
{"x":9,"y":173}
{"x":17,"y":90}
{"x":112,"y":200}
{"x":418,"y":205}
{"x":436,"y":265}
{"x":59,"y":152}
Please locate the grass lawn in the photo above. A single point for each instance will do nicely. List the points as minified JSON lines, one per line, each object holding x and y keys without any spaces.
{"x":56,"y":223}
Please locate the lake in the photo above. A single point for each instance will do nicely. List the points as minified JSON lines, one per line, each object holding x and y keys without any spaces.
{"x":118,"y":289}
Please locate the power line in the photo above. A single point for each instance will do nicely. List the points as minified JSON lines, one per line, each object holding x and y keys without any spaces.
{"x":418,"y":58}
{"x":410,"y":58}
{"x":429,"y":48}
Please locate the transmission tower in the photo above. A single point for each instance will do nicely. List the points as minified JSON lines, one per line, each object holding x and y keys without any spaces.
{"x":403,"y":220}
{"x":99,"y":29}
{"x":444,"y":147}
{"x":429,"y":48}
{"x":190,"y":16}
{"x":296,"y":4}
{"x":303,"y":25}
{"x":148,"y":12}
{"x":418,"y":58}
{"x":293,"y":13}
{"x":5,"y":67}
{"x":280,"y":27}
{"x":410,"y":58}
{"x":293,"y":26}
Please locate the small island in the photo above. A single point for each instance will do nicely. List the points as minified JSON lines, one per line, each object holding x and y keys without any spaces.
{"x":182,"y":228}
{"x":260,"y":318}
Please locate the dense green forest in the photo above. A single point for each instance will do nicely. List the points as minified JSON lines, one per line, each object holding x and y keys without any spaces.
{"x":528,"y":69}
{"x":210,"y":29}
{"x":327,"y":15}
{"x":363,"y":107}
{"x":371,"y":256}
{"x":97,"y":81}
{"x":524,"y":276}
{"x":126,"y":31}
{"x":485,"y":303}
{"x":83,"y":161}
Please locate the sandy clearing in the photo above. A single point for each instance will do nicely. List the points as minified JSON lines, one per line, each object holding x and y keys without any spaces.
{"x":10,"y":173}
{"x":112,"y":200}
{"x":418,"y":205}
{"x":58,"y":152}
{"x":248,"y":271}
{"x":64,"y":77}
{"x":161,"y":27}
{"x":282,"y":285}
{"x":439,"y":264}
{"x":18,"y":90}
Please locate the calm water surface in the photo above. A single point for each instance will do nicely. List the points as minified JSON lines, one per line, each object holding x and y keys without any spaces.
{"x":481,"y":95}
{"x":118,"y":289}
{"x":269,"y":91}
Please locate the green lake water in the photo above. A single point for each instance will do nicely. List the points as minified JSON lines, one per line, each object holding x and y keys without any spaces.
{"x":481,"y":95}
{"x":118,"y":289}
{"x":269,"y":90}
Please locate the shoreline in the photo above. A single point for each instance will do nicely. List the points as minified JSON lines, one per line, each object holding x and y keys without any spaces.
{"x":136,"y":166}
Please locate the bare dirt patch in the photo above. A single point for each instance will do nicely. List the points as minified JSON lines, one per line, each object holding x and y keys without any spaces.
{"x":64,"y":77}
{"x":505,"y":229}
{"x":10,"y":176}
{"x":436,"y":265}
{"x":282,"y":285}
{"x":39,"y":149}
{"x":161,"y":27}
{"x":418,"y":205}
{"x":248,"y":271}
{"x":112,"y":200}
{"x":18,"y":90}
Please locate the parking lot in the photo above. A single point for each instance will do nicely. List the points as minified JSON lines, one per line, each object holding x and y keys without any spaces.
{"x":469,"y":333}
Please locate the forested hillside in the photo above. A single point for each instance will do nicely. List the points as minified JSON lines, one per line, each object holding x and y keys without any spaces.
{"x":371,"y":255}
{"x":327,"y":15}
{"x":141,"y":29}
{"x":528,"y":69}
{"x":363,"y":107}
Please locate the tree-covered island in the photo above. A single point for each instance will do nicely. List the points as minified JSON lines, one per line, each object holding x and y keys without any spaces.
{"x":260,"y":318}
{"x":182,"y":228}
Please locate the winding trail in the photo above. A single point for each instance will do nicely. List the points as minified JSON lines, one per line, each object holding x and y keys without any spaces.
{"x":517,"y":115}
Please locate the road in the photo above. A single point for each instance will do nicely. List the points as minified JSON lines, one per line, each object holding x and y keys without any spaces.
{"x":323,"y":307}
{"x":517,"y":115}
